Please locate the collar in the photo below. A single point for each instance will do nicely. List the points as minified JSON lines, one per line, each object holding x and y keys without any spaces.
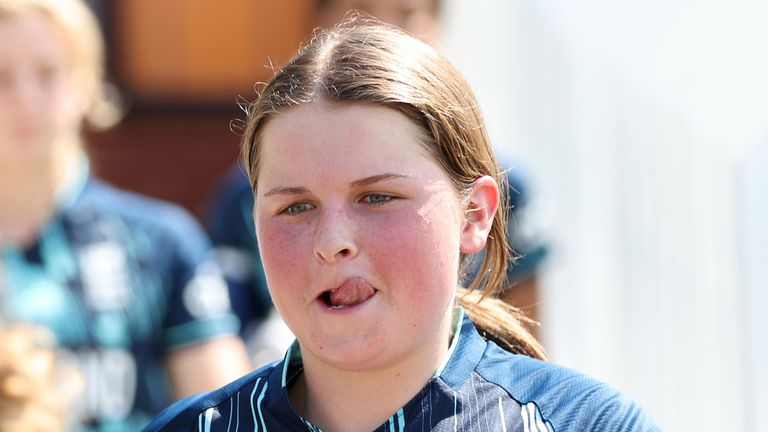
{"x":464,"y":353}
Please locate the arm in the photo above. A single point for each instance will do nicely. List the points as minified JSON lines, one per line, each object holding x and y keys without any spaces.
{"x":202,"y":349}
{"x":206,"y":366}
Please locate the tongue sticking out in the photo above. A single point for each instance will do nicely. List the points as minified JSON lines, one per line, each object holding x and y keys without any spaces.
{"x":353,"y":291}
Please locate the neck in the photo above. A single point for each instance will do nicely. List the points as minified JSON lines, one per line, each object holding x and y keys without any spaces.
{"x":339,"y":400}
{"x":28,"y":192}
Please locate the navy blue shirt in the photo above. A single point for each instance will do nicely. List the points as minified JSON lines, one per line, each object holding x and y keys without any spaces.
{"x":120,"y":279}
{"x":480,"y":387}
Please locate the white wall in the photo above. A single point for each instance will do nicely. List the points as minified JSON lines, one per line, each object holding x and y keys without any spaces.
{"x":638,"y":120}
{"x":754,"y":227}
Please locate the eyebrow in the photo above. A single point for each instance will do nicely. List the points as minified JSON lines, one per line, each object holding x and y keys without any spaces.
{"x":377,"y":178}
{"x":297,"y":190}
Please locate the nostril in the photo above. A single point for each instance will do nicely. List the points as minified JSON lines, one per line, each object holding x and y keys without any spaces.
{"x":332,"y":257}
{"x":334,"y":241}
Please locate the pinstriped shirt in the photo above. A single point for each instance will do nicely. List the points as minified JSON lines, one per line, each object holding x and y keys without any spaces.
{"x":480,"y":387}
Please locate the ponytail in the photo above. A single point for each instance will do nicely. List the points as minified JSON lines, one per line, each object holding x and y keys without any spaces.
{"x":495,"y":319}
{"x":501,"y":323}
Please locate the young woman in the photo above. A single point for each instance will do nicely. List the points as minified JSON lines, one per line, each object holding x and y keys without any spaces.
{"x":122,"y":281}
{"x":374,"y":186}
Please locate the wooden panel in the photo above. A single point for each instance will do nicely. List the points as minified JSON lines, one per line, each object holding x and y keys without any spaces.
{"x":204,"y":50}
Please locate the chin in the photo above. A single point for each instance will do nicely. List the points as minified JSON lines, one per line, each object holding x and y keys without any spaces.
{"x":357,"y":354}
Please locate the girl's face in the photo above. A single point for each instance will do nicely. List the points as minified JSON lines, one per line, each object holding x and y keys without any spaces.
{"x":39,"y":101}
{"x":359,"y":231}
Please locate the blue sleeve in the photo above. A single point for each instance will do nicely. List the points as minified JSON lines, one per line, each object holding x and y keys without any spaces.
{"x":581,"y":403}
{"x":567,"y":400}
{"x":199,"y":306}
{"x":614,"y":411}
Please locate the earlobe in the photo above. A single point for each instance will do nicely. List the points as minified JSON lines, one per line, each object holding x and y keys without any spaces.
{"x":481,"y":208}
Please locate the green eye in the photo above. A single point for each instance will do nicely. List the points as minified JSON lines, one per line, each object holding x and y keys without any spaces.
{"x":297,"y":208}
{"x":377,"y":198}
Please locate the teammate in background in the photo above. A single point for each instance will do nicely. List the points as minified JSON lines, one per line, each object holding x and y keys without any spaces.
{"x":375,"y":182}
{"x":230,"y":216}
{"x":420,"y":18}
{"x":124,"y":282}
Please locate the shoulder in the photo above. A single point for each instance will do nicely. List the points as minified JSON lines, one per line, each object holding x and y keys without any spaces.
{"x":137,"y":211}
{"x":567,"y":399}
{"x":184,"y":414}
{"x":99,"y":195}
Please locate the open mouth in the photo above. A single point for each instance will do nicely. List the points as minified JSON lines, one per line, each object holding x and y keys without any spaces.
{"x":351,"y":293}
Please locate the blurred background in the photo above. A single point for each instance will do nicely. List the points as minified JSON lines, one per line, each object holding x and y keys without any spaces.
{"x":643,"y":130}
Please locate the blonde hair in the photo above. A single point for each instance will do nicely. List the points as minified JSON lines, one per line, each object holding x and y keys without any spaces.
{"x":82,"y":35}
{"x":364,"y":61}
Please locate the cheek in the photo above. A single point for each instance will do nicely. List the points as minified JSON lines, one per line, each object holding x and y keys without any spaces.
{"x":282,"y":248}
{"x":419,"y":248}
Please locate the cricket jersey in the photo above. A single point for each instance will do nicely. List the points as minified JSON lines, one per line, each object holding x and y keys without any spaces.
{"x":121,"y":280}
{"x":479,"y":387}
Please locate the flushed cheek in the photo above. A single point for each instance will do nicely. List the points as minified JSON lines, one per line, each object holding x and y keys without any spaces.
{"x":416,"y":252}
{"x":284,"y":250}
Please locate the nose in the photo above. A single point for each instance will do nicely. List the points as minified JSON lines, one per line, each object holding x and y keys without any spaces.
{"x":335,"y":237}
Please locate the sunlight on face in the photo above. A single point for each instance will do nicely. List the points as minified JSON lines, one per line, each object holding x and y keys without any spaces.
{"x":359,"y":232}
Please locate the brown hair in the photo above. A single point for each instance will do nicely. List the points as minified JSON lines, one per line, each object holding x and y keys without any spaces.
{"x":364,"y":61}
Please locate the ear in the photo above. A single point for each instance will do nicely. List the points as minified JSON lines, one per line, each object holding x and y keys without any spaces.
{"x":478,"y":215}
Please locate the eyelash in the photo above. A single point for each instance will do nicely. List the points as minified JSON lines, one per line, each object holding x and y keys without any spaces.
{"x":377,"y":199}
{"x":292,"y":211}
{"x":374,"y":199}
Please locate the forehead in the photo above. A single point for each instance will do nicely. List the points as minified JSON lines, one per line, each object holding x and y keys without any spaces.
{"x":343,"y":137}
{"x":31,"y":33}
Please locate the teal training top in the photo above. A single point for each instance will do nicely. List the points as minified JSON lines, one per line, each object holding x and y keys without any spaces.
{"x":121,"y":280}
